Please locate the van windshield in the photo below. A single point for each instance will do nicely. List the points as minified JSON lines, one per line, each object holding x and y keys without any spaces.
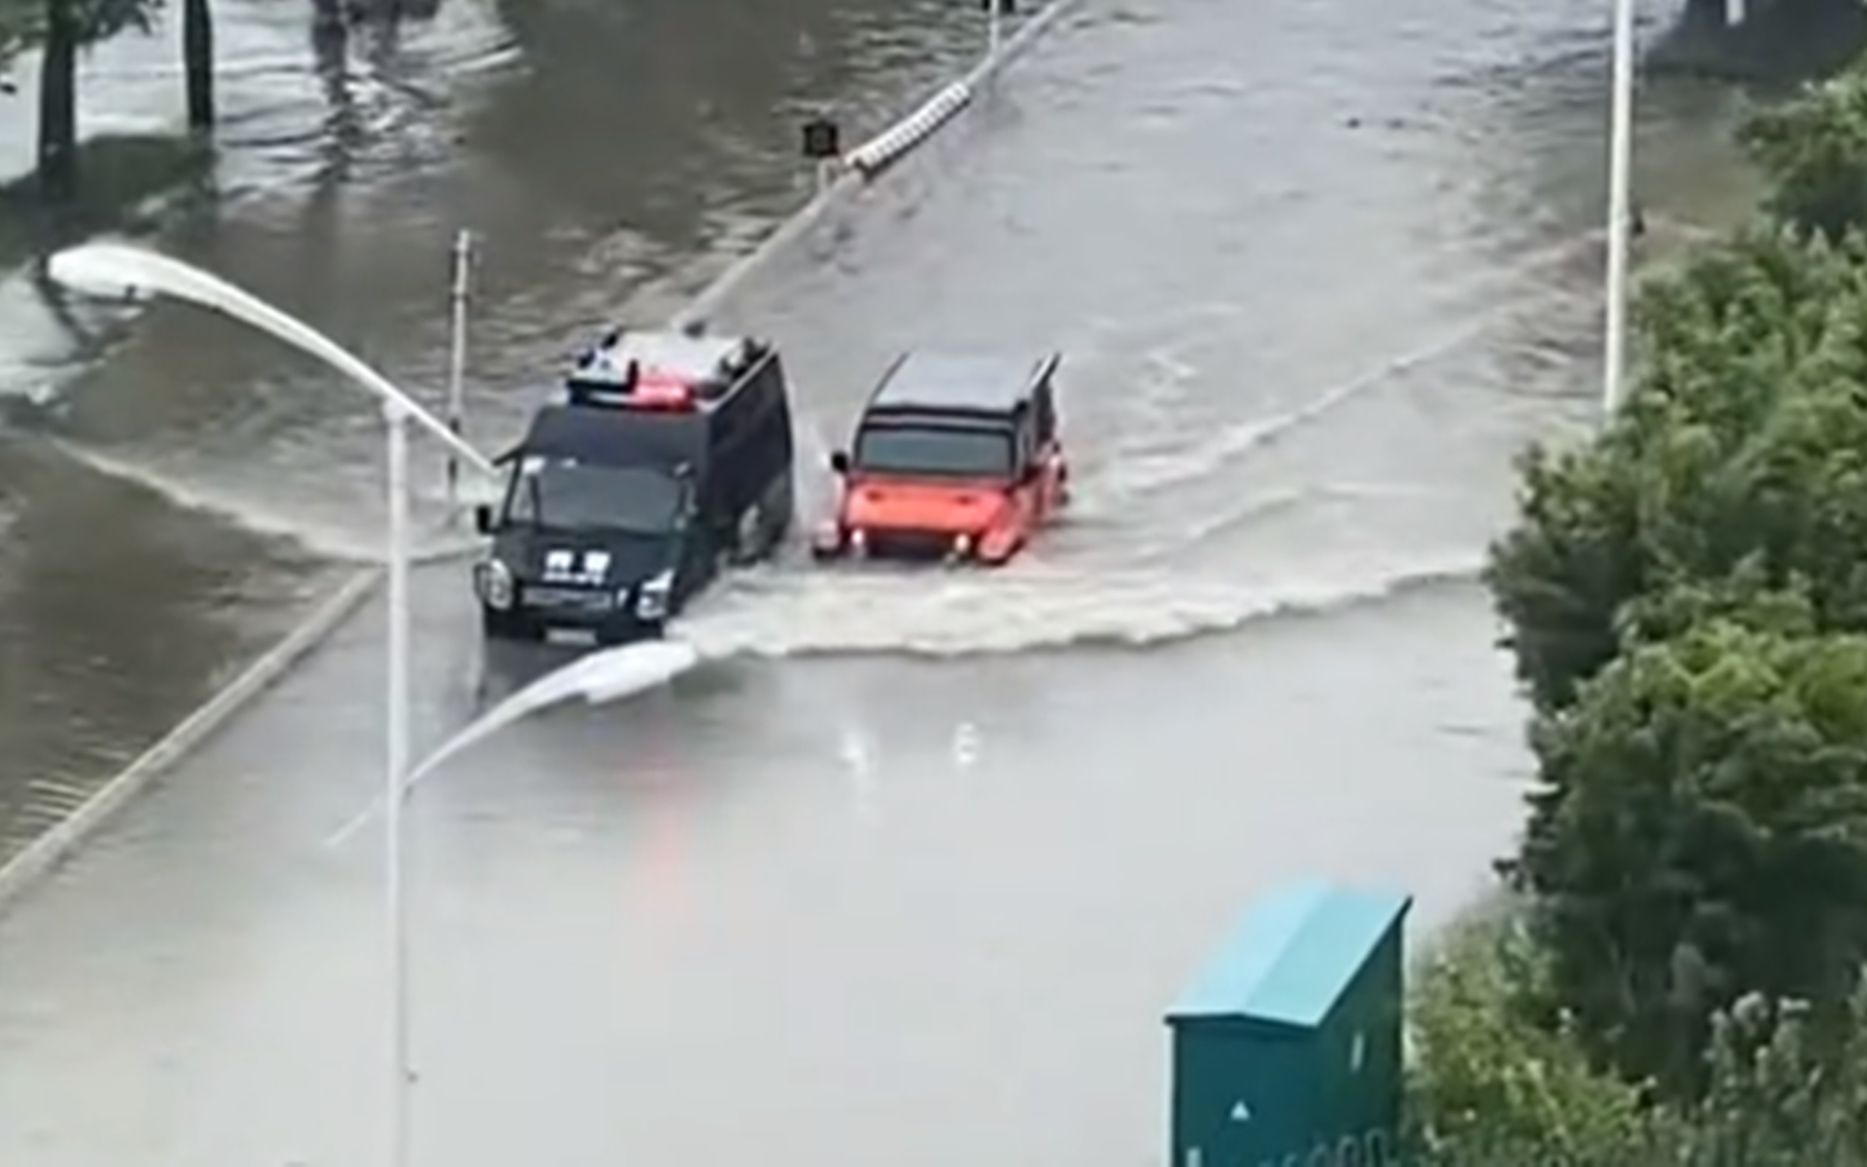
{"x":972,"y":453}
{"x":567,"y":495}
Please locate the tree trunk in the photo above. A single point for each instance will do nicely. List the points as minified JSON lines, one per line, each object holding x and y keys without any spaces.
{"x":58,"y":102}
{"x":198,"y":54}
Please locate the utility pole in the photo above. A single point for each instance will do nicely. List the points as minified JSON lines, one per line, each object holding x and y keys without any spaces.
{"x":995,"y":13}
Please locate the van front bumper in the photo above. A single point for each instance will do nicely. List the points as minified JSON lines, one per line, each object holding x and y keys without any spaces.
{"x":587,"y":608}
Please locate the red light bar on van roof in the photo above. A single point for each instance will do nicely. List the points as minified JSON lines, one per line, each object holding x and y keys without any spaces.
{"x":660,"y":389}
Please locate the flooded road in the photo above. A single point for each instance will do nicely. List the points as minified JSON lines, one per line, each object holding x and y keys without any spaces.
{"x":911,"y":863}
{"x":170,"y":509}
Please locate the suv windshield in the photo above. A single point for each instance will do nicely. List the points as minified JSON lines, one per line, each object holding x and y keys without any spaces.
{"x":579,"y":496}
{"x":944,"y":451}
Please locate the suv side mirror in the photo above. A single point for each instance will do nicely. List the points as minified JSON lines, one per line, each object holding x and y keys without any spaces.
{"x":839,"y":461}
{"x":483,"y":519}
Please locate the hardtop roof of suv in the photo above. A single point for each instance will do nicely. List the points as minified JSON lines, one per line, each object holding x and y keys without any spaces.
{"x":974,"y":385}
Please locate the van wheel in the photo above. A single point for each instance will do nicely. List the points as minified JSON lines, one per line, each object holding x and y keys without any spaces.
{"x":508,"y":625}
{"x":749,"y":536}
{"x":780,"y":513}
{"x":616,"y":632}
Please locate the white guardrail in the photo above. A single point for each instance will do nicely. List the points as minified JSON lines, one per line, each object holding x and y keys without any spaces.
{"x":878,"y":152}
{"x":867,"y":161}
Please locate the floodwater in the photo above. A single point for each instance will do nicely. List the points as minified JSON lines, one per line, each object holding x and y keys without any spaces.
{"x":172,"y":503}
{"x":910,"y":864}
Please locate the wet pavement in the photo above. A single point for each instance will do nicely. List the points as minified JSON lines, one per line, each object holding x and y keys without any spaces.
{"x":911,"y":863}
{"x":797,"y":910}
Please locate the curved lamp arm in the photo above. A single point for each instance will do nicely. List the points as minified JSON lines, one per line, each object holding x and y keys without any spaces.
{"x":118,"y":270}
{"x":597,"y":678}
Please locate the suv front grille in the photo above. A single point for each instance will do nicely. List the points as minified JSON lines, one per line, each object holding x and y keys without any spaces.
{"x":909,"y":544}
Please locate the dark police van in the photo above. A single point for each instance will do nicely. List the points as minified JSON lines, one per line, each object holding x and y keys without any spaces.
{"x":669,"y":455}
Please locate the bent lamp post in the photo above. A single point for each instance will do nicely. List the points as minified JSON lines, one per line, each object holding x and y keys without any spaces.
{"x":598,"y":677}
{"x":120,"y":271}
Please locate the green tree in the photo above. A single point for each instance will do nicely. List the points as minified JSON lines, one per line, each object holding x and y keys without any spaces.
{"x":1700,"y":832}
{"x":1814,"y":150}
{"x":1496,"y":1076}
{"x":1745,"y":441}
{"x":65,"y":27}
{"x":1783,"y":1091}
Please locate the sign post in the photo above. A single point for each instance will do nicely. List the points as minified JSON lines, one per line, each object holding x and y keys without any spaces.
{"x":823,"y":145}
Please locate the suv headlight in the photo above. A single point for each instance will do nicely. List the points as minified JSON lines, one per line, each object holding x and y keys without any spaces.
{"x":651,"y":602}
{"x":493,"y":580}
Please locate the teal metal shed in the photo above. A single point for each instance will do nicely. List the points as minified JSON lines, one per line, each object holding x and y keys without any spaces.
{"x":1286,"y":1049}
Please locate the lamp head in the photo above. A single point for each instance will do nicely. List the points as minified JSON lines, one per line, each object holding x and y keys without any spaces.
{"x":100,"y":269}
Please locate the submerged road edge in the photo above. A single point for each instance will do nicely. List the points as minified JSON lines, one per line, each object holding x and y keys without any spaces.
{"x":46,"y":853}
{"x":850,"y":181}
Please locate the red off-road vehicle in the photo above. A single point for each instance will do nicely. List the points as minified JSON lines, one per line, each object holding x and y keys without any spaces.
{"x":955,"y":457}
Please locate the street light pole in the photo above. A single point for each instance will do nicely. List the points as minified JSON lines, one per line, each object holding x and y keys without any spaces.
{"x":395,"y":419}
{"x":109,"y":269}
{"x":607,"y":675}
{"x":1620,"y":150}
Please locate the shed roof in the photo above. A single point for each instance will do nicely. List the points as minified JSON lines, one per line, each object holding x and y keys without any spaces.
{"x":1293,"y":954}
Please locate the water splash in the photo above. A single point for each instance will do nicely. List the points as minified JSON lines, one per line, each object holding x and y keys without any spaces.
{"x":1021,"y":608}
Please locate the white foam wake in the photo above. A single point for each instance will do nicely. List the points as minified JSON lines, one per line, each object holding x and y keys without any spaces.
{"x":1016,"y":609}
{"x":337,"y":535}
{"x":773,"y":613}
{"x":1220,"y":447}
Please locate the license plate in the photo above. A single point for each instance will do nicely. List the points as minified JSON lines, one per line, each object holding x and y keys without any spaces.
{"x":579,"y":599}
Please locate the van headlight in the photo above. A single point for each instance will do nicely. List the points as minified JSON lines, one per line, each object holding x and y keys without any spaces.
{"x":652,"y":599}
{"x":493,"y":580}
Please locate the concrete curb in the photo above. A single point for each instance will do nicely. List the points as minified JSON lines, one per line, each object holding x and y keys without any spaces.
{"x":702,"y":306}
{"x":56,"y":844}
{"x":45,"y":853}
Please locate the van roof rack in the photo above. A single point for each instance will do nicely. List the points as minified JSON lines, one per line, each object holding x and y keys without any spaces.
{"x":659,"y":369}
